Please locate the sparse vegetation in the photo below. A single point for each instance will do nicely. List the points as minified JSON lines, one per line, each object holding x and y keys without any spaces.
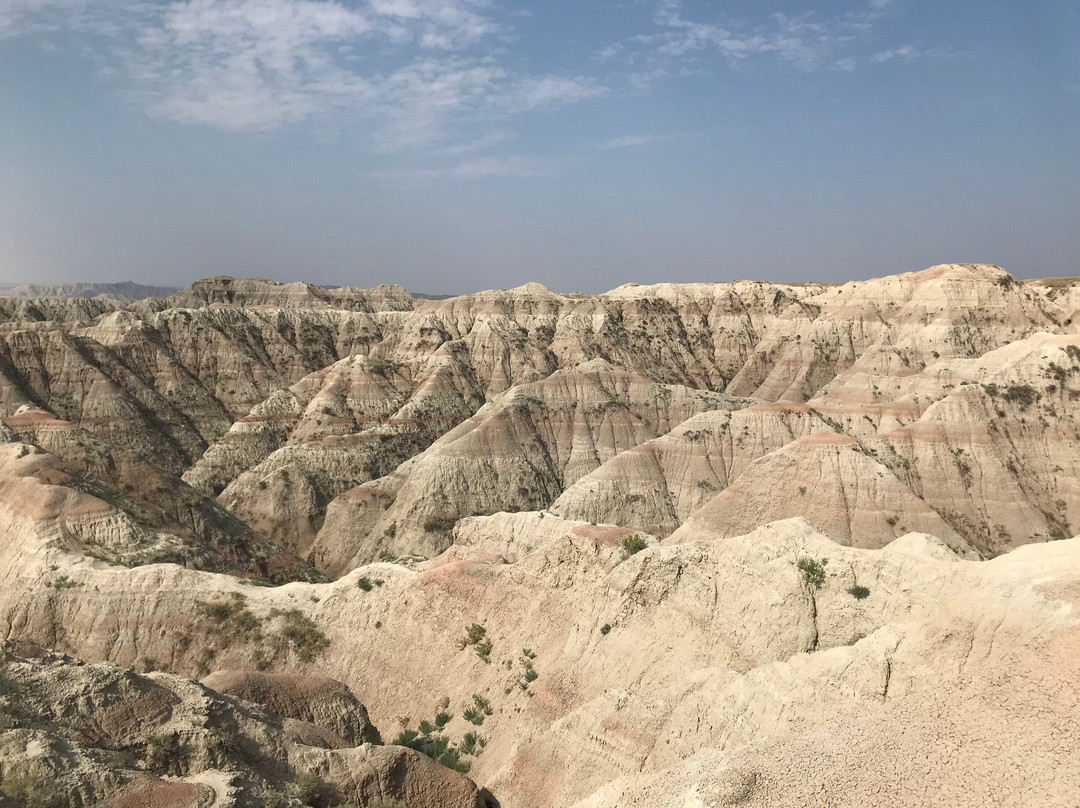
{"x":633,"y":545}
{"x":529,"y":674}
{"x":299,"y":634}
{"x":430,"y":739}
{"x":604,"y":629}
{"x":476,"y":637}
{"x":859,"y":592}
{"x":307,"y":788}
{"x":364,"y":583}
{"x":440,"y":524}
{"x":62,"y":582}
{"x":229,"y":621}
{"x":478,"y":711}
{"x":813,"y":570}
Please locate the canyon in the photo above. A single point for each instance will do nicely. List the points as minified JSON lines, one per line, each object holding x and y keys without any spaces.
{"x":702,"y":545}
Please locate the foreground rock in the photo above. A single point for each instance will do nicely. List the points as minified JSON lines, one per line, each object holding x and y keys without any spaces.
{"x":73,"y":734}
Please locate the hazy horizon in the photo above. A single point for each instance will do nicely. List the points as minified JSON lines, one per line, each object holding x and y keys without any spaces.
{"x":457,"y":145}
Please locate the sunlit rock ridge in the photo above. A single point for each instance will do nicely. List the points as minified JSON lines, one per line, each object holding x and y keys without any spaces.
{"x":712,"y":544}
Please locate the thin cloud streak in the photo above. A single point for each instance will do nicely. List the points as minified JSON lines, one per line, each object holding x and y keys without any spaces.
{"x":806,"y":42}
{"x":258,"y":65}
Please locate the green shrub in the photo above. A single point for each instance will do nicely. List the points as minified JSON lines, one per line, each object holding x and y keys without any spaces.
{"x":473,"y":634}
{"x":476,"y":636}
{"x":604,"y":629}
{"x":63,"y":582}
{"x":364,"y":583}
{"x":813,"y":570}
{"x":299,"y":633}
{"x":407,"y":737}
{"x":307,"y":788}
{"x":472,"y":744}
{"x":859,"y":592}
{"x":229,"y":619}
{"x":632,"y":545}
{"x":440,"y":524}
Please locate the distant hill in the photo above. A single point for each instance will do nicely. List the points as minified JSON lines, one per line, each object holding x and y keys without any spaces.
{"x":125,"y":290}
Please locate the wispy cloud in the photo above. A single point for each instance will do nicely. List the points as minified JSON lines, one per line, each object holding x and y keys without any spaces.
{"x":512,"y":166}
{"x":403,"y":70}
{"x":477,"y":144}
{"x":804,"y":42}
{"x":904,"y":52}
{"x":508,"y":166}
{"x":633,"y":141}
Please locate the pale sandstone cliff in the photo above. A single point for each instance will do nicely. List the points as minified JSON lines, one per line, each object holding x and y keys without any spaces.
{"x":919,"y":431}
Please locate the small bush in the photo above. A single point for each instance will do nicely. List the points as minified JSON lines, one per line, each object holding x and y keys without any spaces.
{"x":63,"y":582}
{"x":473,"y":634}
{"x":813,"y":570}
{"x":299,"y":633}
{"x":439,"y":524}
{"x":1023,"y":394}
{"x":476,"y":636}
{"x":471,"y":744}
{"x":859,"y":592}
{"x":364,"y":583}
{"x":407,"y":737}
{"x":307,"y":788}
{"x":604,"y":629}
{"x":632,"y":545}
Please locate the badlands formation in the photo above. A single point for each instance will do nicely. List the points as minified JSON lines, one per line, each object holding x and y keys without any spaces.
{"x":703,"y":545}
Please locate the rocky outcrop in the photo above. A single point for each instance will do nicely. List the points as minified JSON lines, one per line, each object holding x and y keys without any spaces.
{"x":519,"y":452}
{"x":317,"y":700}
{"x":703,"y":544}
{"x":125,"y":290}
{"x":223,"y":290}
{"x":73,"y":734}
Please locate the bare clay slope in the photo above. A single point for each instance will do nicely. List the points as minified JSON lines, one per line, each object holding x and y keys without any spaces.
{"x":855,"y":501}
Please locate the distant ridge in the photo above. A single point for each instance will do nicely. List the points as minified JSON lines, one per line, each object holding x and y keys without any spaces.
{"x":125,"y":290}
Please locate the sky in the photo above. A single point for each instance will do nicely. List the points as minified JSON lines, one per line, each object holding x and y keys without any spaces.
{"x":458,"y":145}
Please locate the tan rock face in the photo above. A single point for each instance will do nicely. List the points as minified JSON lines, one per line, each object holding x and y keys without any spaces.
{"x":687,"y":545}
{"x":73,"y":734}
{"x":316,"y":700}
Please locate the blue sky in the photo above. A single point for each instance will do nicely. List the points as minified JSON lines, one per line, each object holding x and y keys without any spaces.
{"x":455,"y":145}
